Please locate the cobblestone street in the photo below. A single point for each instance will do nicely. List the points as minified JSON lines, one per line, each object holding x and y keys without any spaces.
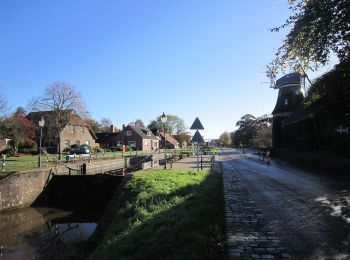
{"x":248,"y":236}
{"x":276,"y":212}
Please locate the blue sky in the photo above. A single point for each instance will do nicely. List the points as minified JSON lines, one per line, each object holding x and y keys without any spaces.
{"x":135,"y":59}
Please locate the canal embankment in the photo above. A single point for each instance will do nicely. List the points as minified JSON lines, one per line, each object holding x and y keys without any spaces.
{"x":45,"y":211}
{"x":22,"y":188}
{"x":162,"y":214}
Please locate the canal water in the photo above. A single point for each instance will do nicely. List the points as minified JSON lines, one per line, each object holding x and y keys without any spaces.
{"x":43,"y":233}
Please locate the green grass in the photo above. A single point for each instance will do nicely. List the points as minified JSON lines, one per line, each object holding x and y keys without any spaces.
{"x":163,"y":215}
{"x":16,"y":163}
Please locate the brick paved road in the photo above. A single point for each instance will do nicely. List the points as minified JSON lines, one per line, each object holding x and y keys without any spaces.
{"x":277,"y":212}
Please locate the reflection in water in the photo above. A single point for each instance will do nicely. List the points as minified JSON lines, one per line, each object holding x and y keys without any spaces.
{"x":33,"y":233}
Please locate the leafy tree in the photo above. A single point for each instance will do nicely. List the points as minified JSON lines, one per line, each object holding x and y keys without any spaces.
{"x":319,"y":27}
{"x":62,"y":100}
{"x":139,"y":122}
{"x":184,"y":139}
{"x":19,"y":129}
{"x":247,"y":129}
{"x":329,"y":100}
{"x":225,"y":139}
{"x":174,"y":125}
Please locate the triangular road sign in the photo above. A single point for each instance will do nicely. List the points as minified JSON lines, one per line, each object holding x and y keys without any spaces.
{"x":197,"y":125}
{"x":197,"y":138}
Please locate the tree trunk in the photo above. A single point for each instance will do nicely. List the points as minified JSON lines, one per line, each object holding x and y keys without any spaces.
{"x":59,"y":145}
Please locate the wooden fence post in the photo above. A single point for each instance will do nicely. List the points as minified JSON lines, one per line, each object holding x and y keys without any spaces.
{"x":3,"y":162}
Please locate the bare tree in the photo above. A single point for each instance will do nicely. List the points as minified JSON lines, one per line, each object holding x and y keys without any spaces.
{"x":105,"y":124}
{"x":62,"y":100}
{"x":3,"y":107}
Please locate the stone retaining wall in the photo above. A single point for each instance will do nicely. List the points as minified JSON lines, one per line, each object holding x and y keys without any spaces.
{"x":20,"y":189}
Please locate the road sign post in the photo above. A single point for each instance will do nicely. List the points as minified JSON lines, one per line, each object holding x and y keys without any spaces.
{"x":197,"y":125}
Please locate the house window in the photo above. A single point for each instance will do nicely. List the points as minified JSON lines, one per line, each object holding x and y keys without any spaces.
{"x":87,"y":142}
{"x":128,"y":133}
{"x":72,"y":130}
{"x":81,"y":129}
{"x":66,"y":143}
{"x":119,"y":143}
{"x":149,"y":133}
{"x":286,"y":102}
{"x":146,"y":143}
{"x":132,"y":143}
{"x":78,"y":142}
{"x":155,"y":145}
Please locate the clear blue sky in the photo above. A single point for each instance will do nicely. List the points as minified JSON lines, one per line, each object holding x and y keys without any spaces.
{"x":135,"y":59}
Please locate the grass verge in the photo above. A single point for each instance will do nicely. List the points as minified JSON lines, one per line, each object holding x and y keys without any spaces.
{"x":171,"y":214}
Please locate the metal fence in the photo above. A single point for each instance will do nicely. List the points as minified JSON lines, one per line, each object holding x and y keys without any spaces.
{"x":11,"y":164}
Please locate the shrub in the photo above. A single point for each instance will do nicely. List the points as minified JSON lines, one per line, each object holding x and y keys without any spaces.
{"x":8,"y":151}
{"x":67,"y":149}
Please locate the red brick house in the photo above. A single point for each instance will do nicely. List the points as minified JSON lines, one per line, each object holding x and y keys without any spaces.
{"x":137,"y":138}
{"x":108,"y":140}
{"x":171,"y":142}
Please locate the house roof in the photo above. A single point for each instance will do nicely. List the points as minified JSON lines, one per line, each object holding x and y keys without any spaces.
{"x":169,"y":138}
{"x":143,"y":132}
{"x":299,"y":114}
{"x":73,"y":119}
{"x":105,"y":137}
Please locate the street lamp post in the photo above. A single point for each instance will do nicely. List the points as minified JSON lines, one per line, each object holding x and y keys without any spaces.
{"x":41,"y":125}
{"x":164,"y":118}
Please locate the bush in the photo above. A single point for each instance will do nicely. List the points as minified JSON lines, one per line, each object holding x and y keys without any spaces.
{"x":67,"y":149}
{"x":8,"y":151}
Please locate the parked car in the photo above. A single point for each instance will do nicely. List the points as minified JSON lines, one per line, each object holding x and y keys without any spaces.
{"x":80,"y":150}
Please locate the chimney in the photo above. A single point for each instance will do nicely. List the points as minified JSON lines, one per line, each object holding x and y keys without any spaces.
{"x":112,"y":129}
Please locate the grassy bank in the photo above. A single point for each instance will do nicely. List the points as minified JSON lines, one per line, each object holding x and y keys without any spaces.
{"x":163,"y":215}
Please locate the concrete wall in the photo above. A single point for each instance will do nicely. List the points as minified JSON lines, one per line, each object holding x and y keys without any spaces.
{"x":20,"y":189}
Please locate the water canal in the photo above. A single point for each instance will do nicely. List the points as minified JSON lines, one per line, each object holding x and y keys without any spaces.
{"x":67,"y":211}
{"x":41,"y":233}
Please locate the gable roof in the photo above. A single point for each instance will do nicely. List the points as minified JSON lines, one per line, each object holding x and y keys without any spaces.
{"x":105,"y":137}
{"x":143,"y":132}
{"x":73,"y":119}
{"x":169,"y":138}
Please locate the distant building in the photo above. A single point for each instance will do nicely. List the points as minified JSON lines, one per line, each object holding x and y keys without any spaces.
{"x":108,"y":140}
{"x":170,"y":141}
{"x":137,"y":138}
{"x":74,"y":130}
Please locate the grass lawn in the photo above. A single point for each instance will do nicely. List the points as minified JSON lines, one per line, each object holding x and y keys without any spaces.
{"x":22,"y":162}
{"x":163,"y":214}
